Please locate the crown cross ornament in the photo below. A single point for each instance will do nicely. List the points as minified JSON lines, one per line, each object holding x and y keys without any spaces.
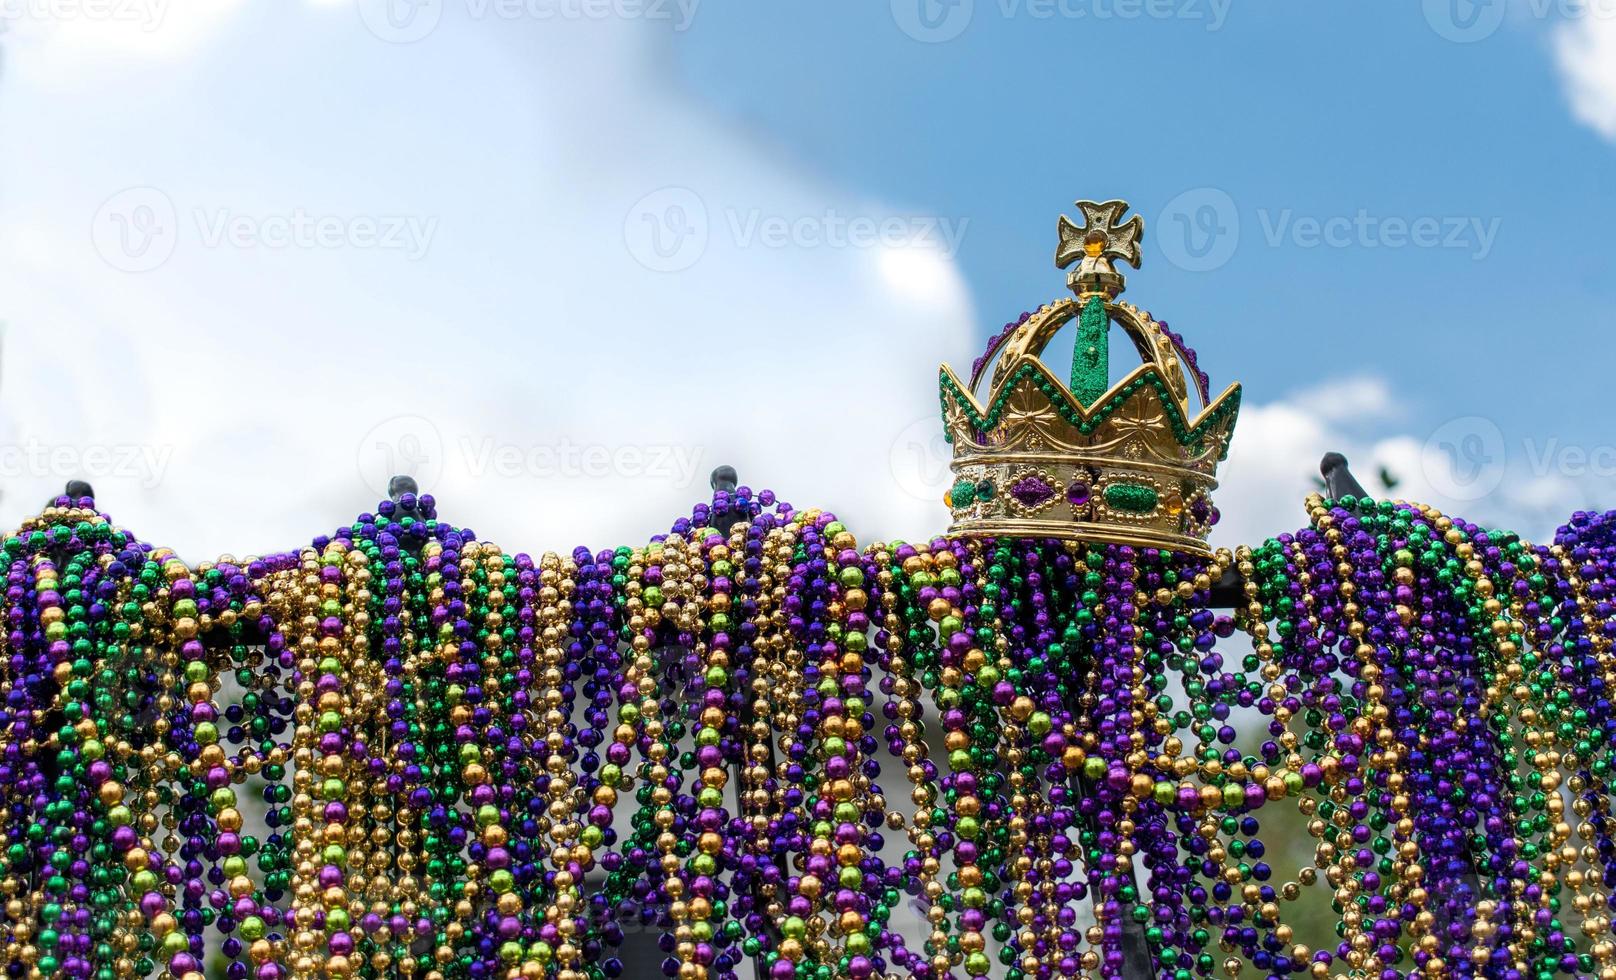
{"x":1130,"y":463}
{"x":1092,"y":245}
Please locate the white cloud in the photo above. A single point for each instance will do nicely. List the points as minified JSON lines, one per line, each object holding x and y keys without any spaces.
{"x":1269,"y":471}
{"x":557,"y":387}
{"x":1361,"y":398}
{"x":591,"y":328}
{"x":1465,"y":467}
{"x":924,"y":277}
{"x":82,"y":43}
{"x":1585,"y":51}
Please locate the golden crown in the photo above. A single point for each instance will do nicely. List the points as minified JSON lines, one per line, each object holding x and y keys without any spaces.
{"x":1125,"y":463}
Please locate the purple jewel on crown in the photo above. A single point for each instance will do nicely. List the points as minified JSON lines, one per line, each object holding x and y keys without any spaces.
{"x":1031,"y":491}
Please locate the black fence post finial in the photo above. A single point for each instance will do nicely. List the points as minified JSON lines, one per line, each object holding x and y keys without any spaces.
{"x":724,"y":481}
{"x":1229,"y":591}
{"x":1338,"y":479}
{"x":401,"y":485}
{"x":75,"y":491}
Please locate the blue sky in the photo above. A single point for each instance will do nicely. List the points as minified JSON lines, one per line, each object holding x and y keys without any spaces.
{"x":562,"y":257}
{"x":1318,"y":110}
{"x":1283,"y":155}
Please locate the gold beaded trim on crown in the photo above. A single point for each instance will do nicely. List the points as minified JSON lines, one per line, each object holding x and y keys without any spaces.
{"x":1126,"y":463}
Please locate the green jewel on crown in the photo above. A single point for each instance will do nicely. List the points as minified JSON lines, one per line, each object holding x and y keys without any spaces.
{"x":1130,"y":463}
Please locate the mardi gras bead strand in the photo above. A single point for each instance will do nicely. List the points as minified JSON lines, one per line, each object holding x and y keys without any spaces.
{"x":907,"y":642}
{"x":558,"y":827}
{"x":484,"y":707}
{"x":1576,"y":571}
{"x":748,"y":639}
{"x":1365,"y":880}
{"x":759,"y":633}
{"x":715,"y":753}
{"x":983,"y":808}
{"x":595,"y":631}
{"x":1059,"y":670}
{"x":642,"y":725}
{"x":678,"y":612}
{"x":775,"y":692}
{"x":866,"y":885}
{"x":928,"y":830}
{"x":806,"y":734}
{"x":390,"y":540}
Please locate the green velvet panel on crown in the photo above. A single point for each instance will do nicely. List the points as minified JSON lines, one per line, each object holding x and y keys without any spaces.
{"x":1091,"y":361}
